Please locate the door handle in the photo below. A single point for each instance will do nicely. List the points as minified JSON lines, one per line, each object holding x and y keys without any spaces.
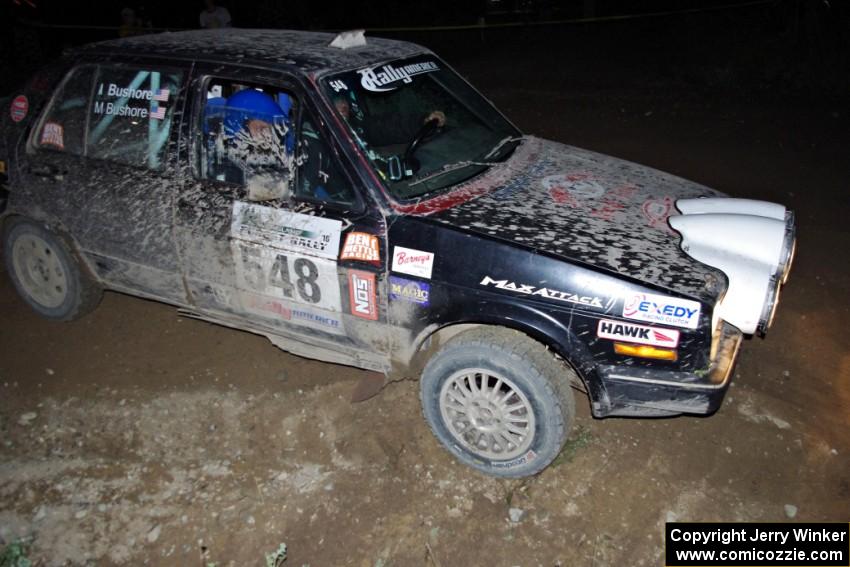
{"x":45,"y":170}
{"x":184,"y":205}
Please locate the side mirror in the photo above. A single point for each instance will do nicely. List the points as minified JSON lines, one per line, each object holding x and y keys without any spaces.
{"x":267,"y":186}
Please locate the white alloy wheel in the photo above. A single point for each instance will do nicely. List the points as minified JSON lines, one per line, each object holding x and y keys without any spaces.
{"x":487,"y":414}
{"x":40,"y":270}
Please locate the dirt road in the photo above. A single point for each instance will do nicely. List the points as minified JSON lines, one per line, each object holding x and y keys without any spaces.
{"x":137,"y":437}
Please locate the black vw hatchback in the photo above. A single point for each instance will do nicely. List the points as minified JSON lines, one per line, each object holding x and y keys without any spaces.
{"x":356,"y":201}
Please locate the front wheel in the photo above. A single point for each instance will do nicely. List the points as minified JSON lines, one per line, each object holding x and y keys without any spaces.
{"x":498,"y":401}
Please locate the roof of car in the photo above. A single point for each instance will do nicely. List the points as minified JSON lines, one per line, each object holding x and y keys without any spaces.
{"x":309,"y":51}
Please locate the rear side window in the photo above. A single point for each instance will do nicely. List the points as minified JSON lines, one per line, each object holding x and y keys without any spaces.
{"x":131,"y":114}
{"x":64,"y":125}
{"x":118,"y":113}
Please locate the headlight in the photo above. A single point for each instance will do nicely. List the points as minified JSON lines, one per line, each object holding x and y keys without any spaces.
{"x":789,"y":247}
{"x":783,"y":268}
{"x":769,"y":309}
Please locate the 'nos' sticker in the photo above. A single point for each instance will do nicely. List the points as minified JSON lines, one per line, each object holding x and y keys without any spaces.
{"x":361,"y":289}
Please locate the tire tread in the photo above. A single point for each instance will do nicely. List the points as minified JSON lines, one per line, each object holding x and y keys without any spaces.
{"x":524,"y":350}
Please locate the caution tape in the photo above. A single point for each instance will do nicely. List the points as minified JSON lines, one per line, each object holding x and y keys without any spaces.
{"x":477,"y":26}
{"x":595,"y":19}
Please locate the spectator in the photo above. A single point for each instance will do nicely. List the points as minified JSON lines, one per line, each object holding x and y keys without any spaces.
{"x":130,"y":24}
{"x":213,"y":17}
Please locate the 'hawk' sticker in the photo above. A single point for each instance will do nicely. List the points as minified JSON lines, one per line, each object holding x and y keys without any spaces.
{"x":641,"y":334}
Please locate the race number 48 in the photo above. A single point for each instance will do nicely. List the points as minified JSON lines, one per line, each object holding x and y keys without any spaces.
{"x":278,"y":274}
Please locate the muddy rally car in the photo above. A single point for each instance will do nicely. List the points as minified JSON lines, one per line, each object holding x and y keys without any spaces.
{"x":356,"y":201}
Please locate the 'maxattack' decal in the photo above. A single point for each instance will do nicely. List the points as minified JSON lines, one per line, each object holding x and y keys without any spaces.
{"x":544,"y":292}
{"x":632,"y":333}
{"x":413,"y":262}
{"x":361,"y":290}
{"x":410,"y":290}
{"x":662,"y":309}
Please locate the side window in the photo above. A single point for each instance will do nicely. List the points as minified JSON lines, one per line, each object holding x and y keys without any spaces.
{"x":131,"y":114}
{"x":320,"y":176}
{"x":247,"y":137}
{"x":64,"y":124}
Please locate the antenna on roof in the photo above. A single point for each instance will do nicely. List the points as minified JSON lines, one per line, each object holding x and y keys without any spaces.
{"x":350,"y":38}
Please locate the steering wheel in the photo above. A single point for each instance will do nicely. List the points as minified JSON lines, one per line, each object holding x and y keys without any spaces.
{"x":427,"y":130}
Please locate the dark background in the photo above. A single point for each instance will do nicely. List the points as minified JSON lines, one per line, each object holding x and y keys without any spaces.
{"x":134,"y":402}
{"x":779,"y":48}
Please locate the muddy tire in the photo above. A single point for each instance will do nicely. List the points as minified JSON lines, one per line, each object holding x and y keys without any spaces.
{"x":498,"y":401}
{"x":47,"y":274}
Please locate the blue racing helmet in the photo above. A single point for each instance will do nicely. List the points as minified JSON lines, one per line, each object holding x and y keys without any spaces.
{"x":249,"y":104}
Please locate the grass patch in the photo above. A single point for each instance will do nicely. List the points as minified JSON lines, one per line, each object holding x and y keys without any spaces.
{"x":579,"y":440}
{"x":15,"y":554}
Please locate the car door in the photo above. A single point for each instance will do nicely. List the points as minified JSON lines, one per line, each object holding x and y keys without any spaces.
{"x":273,"y":230}
{"x":101,"y":160}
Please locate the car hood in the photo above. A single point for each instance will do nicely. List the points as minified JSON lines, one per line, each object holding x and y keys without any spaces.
{"x":588,"y":208}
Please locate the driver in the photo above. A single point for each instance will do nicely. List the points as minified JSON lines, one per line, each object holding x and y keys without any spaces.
{"x":385,"y":127}
{"x":257,"y":140}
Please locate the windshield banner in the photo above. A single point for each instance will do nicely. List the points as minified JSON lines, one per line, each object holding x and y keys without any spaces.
{"x":375,"y":80}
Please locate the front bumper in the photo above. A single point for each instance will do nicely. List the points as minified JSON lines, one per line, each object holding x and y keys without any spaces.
{"x":642,"y":392}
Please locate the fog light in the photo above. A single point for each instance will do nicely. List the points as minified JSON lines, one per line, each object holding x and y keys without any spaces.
{"x":645,"y":351}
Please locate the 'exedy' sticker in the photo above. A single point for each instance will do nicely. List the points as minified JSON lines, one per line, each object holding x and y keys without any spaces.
{"x":544,"y":292}
{"x":381,"y":79}
{"x":631,"y":333}
{"x":662,"y":309}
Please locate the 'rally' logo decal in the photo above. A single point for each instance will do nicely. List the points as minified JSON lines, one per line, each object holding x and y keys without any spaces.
{"x":383,"y":79}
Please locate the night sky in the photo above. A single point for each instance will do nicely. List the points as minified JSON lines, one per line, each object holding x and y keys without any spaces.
{"x":790,"y":43}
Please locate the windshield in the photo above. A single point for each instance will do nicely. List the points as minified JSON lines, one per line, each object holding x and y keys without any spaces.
{"x":423,"y":128}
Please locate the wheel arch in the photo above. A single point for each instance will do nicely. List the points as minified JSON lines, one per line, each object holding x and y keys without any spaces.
{"x":8,"y":220}
{"x":536,"y":324}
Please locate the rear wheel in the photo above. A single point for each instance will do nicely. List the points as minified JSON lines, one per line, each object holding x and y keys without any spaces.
{"x":47,"y":274}
{"x":499,"y":401}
